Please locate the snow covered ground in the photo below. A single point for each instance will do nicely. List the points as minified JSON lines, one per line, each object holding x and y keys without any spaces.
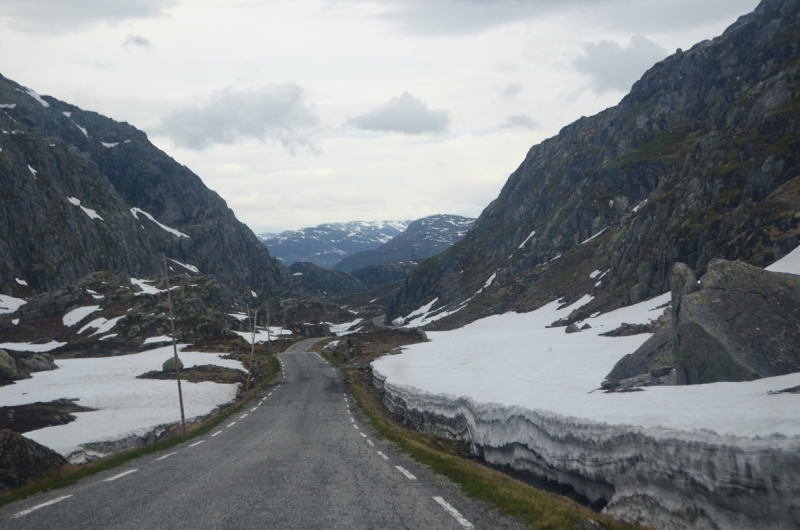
{"x":527,"y":396}
{"x":128,"y":409}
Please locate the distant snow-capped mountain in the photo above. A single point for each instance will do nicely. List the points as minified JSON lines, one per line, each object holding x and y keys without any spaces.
{"x":327,"y":244}
{"x":422,"y":239}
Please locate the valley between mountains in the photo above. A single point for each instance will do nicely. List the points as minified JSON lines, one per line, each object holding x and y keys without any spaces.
{"x":613,"y":343}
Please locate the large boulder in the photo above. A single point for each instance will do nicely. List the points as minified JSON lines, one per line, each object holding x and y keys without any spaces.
{"x":8,"y":368}
{"x":743,"y":324}
{"x":169,"y":364}
{"x":38,"y":362}
{"x":22,"y":459}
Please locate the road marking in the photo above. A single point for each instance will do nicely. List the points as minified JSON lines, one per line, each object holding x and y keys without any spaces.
{"x":352,"y":420}
{"x":254,"y":408}
{"x":231,"y":424}
{"x":383,"y":456}
{"x":405,"y":472}
{"x":166,"y":456}
{"x":197,"y":443}
{"x":115,"y":477}
{"x":243,"y":416}
{"x":362,"y":434}
{"x":48,"y":503}
{"x":216,"y":433}
{"x":370,"y":442}
{"x":356,"y":426}
{"x":455,"y":513}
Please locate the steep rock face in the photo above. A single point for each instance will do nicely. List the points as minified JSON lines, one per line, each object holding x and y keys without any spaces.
{"x":327,"y":244}
{"x":742,"y":325}
{"x":320,"y":280}
{"x":422,"y":239}
{"x":699,"y":161}
{"x":69,"y":180}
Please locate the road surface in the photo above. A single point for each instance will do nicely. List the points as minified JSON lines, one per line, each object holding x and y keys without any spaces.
{"x":300,"y":456}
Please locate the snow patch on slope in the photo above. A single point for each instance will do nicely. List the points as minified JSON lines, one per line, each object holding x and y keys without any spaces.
{"x":137,"y":211}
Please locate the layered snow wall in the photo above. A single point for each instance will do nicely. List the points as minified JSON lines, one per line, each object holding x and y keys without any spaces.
{"x":719,"y":456}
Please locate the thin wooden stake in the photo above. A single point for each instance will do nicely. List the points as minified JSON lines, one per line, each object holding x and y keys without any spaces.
{"x":252,"y":350}
{"x":174,"y":345}
{"x":269,"y":338}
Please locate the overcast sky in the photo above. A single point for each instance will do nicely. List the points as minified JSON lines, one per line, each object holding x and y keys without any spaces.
{"x":300,"y":112}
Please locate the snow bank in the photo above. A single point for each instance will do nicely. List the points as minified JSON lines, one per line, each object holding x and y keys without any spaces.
{"x":723,"y":455}
{"x":262,"y":336}
{"x":88,"y":211}
{"x":32,"y":93}
{"x":9,"y":304}
{"x":30,"y":347}
{"x":137,"y":211}
{"x":342,"y":329}
{"x":76,"y":315}
{"x":129,"y":410}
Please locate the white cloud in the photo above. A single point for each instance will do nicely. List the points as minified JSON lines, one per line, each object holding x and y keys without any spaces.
{"x":612,"y":67}
{"x":275,"y":112}
{"x":510,"y":90}
{"x":66,"y":16}
{"x":134,"y":41}
{"x":521,"y":121}
{"x":405,"y":114}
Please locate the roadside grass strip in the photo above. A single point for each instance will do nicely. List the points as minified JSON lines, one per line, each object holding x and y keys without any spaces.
{"x":34,"y":508}
{"x":197,"y":443}
{"x":537,"y":508}
{"x":115,"y":477}
{"x":166,"y":456}
{"x":406,"y":472}
{"x":69,"y":474}
{"x":455,"y":513}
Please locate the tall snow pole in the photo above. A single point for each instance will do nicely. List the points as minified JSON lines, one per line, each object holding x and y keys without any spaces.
{"x":252,"y":351}
{"x":269,"y":338}
{"x":174,"y":345}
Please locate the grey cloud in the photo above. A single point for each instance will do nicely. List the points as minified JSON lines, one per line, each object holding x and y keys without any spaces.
{"x":612,"y":67}
{"x":521,"y":121}
{"x":510,"y":90}
{"x":276,"y":112}
{"x":405,"y":114}
{"x":459,"y":17}
{"x":137,"y":41}
{"x":65,"y":16}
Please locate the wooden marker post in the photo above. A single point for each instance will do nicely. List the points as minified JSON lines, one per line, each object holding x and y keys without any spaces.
{"x":174,"y":345}
{"x":252,"y":350}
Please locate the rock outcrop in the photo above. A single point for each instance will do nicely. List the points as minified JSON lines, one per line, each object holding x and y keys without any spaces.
{"x":22,"y":459}
{"x":325,"y":281}
{"x":380,"y":274}
{"x":743,"y":324}
{"x":699,"y":161}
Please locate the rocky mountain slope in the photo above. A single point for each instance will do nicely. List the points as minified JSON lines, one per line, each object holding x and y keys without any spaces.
{"x":327,"y":244}
{"x":698,"y":162}
{"x":80,"y":193}
{"x":321,"y":280}
{"x":423,"y":238}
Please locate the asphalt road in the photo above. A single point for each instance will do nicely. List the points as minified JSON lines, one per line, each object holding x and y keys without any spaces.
{"x":300,"y":456}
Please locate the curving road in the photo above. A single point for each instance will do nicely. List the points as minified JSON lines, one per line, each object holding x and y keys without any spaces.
{"x":299,"y":456}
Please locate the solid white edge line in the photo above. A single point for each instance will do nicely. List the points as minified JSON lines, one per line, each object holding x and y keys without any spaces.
{"x":216,"y":433}
{"x":455,"y":513}
{"x":197,"y":443}
{"x":405,"y":472}
{"x":166,"y":456}
{"x":383,"y":455}
{"x":33,"y":509}
{"x":115,"y":477}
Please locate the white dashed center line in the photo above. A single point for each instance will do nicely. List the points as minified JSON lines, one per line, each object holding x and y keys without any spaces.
{"x":231,"y":424}
{"x":243,"y":416}
{"x":405,"y":472}
{"x":48,"y":503}
{"x":115,"y":477}
{"x":383,"y":456}
{"x":362,"y":434}
{"x":356,"y":426}
{"x":216,"y":433}
{"x":254,"y":408}
{"x":197,"y":443}
{"x":370,"y":442}
{"x":166,"y":456}
{"x":455,"y":513}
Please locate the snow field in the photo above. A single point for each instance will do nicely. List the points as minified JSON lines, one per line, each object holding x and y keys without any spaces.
{"x":127,"y":407}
